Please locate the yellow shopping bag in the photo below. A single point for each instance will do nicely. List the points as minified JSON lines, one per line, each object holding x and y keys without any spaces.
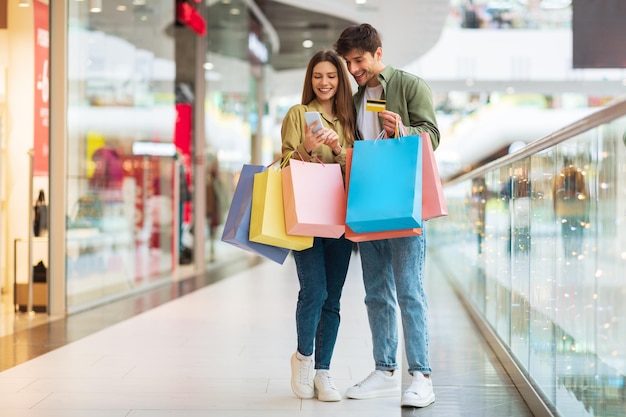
{"x":267,"y":219}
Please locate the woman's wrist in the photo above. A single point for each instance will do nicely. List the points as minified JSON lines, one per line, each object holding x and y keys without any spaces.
{"x":337,"y":150}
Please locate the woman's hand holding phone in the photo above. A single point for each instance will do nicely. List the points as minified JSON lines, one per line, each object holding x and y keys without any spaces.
{"x":314,"y":118}
{"x":315,"y":132}
{"x":309,"y":140}
{"x":313,"y":139}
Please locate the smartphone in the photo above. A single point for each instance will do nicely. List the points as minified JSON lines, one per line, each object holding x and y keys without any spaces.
{"x":312,"y":117}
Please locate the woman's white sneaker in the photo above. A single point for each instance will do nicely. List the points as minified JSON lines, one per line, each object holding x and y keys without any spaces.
{"x":325,"y":388}
{"x":377,"y":384}
{"x":420,"y":393}
{"x":302,"y":376}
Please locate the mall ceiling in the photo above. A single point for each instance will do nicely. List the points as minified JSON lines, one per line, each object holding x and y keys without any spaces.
{"x":293,"y":26}
{"x":409,"y":29}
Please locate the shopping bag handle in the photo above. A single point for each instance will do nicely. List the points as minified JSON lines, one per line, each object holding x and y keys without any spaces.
{"x":400,"y":129}
{"x":287,"y":156}
{"x":400,"y":132}
{"x":302,"y":159}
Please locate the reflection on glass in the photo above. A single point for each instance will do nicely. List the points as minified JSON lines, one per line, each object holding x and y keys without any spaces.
{"x":120,"y":202}
{"x":544,"y":262}
{"x":229,"y":114}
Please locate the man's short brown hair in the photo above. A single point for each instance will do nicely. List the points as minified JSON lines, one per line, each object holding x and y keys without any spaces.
{"x":361,"y":37}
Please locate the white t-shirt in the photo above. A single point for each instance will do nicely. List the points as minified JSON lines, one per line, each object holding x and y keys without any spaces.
{"x":367,"y":121}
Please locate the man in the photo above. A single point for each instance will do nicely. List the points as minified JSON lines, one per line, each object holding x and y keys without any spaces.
{"x":393,"y":269}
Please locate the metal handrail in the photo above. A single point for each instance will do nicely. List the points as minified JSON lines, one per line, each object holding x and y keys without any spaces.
{"x":610,"y":112}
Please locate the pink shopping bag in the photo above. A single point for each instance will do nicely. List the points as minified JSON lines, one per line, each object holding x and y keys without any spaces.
{"x":314,"y":199}
{"x":433,"y":200}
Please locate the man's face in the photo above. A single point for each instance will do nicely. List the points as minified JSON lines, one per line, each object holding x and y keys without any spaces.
{"x":364,"y":66}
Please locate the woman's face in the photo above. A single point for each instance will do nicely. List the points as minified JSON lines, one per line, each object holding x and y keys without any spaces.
{"x":324,"y":80}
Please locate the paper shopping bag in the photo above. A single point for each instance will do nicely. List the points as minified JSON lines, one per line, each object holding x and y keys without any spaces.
{"x":237,"y":225}
{"x":267,"y":220}
{"x":385,"y":190}
{"x":433,"y":200}
{"x":364,"y":237}
{"x":314,"y":199}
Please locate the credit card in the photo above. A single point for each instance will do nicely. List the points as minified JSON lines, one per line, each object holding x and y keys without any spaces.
{"x":375,"y":105}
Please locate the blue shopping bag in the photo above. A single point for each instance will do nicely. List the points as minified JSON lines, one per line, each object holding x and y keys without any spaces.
{"x":385,"y":189}
{"x":237,"y":225}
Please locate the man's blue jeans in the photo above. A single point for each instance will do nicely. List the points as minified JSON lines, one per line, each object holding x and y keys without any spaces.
{"x":322,"y":272}
{"x":393,"y":274}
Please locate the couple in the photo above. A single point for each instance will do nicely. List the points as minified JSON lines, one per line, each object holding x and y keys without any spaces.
{"x":393,"y":269}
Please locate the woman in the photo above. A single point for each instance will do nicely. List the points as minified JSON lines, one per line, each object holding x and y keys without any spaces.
{"x":322,"y":268}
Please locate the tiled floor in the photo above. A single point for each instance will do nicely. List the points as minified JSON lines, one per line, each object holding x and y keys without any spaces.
{"x":223,"y":350}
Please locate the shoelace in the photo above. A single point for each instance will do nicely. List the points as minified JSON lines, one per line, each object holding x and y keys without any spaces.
{"x":327,"y":382}
{"x":305,"y":372}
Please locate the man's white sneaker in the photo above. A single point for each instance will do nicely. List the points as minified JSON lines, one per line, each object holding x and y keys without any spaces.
{"x":325,"y":387}
{"x":420,"y":392}
{"x":377,"y":384}
{"x":301,"y":377}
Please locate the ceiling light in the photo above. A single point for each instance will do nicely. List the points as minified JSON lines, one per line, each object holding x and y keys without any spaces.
{"x":24,"y":3}
{"x":554,"y":4}
{"x":95,"y":6}
{"x":360,"y":1}
{"x":235,"y":11}
{"x":307,"y":43}
{"x":121,"y":8}
{"x":208,"y":66}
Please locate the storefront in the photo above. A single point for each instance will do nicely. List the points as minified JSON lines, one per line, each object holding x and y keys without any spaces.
{"x":122,"y":165}
{"x":24,"y":145}
{"x":152,"y":114}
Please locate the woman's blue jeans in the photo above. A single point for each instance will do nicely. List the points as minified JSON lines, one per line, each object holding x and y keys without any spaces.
{"x":322,"y":272}
{"x":393,"y":274}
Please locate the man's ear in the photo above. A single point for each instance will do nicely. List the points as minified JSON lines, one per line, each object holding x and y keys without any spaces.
{"x":379,"y":53}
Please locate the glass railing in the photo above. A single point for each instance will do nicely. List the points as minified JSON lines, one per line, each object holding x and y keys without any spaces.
{"x":542,"y":238}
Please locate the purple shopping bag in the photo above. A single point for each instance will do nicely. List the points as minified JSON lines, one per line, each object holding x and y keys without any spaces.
{"x":237,"y":225}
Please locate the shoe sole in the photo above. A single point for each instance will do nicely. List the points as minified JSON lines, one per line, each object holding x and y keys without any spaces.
{"x":378,"y":394}
{"x":304,"y":397}
{"x":329,"y":399}
{"x":415,"y":404}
